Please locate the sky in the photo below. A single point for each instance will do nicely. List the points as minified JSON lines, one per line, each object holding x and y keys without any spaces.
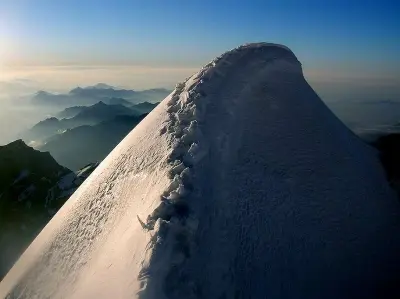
{"x":149,"y":43}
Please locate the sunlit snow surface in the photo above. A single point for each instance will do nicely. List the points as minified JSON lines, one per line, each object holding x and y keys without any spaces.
{"x":240,"y":184}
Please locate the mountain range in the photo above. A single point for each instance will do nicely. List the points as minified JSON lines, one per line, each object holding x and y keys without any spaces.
{"x":85,"y":144}
{"x":100,"y":92}
{"x":81,"y":115}
{"x":138,"y":109}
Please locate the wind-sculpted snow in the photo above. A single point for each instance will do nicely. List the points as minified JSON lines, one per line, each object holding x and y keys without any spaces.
{"x":176,"y":221}
{"x":240,"y":184}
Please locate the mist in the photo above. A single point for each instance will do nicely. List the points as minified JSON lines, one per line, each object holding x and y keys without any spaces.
{"x":17,"y":115}
{"x":362,"y":101}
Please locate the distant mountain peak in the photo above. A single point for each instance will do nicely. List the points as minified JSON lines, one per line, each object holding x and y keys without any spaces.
{"x":19,"y":143}
{"x":96,"y":86}
{"x":100,"y":86}
{"x":52,"y":118}
{"x":18,"y":154}
{"x":146,"y":104}
{"x":42,"y":93}
{"x":47,"y":121}
{"x":76,"y":90}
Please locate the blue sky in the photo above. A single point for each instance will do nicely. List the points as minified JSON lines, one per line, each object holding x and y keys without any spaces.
{"x":339,"y":36}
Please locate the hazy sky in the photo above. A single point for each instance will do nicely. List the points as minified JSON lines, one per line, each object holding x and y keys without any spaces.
{"x":152,"y":43}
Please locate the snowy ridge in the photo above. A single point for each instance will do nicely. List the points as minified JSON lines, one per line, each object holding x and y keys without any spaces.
{"x":186,"y":108}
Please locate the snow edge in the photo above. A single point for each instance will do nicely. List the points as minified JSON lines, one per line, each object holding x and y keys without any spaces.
{"x":172,"y":224}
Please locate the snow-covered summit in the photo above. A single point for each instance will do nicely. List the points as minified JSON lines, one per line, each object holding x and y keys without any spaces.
{"x":240,"y":184}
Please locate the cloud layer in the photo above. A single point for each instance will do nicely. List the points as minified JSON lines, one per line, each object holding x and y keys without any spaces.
{"x":61,"y":78}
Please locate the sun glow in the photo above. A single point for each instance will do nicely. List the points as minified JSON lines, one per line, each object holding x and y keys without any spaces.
{"x":7,"y":55}
{"x":4,"y":50}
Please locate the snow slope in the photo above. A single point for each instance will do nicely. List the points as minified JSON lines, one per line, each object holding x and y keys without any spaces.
{"x":240,"y":184}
